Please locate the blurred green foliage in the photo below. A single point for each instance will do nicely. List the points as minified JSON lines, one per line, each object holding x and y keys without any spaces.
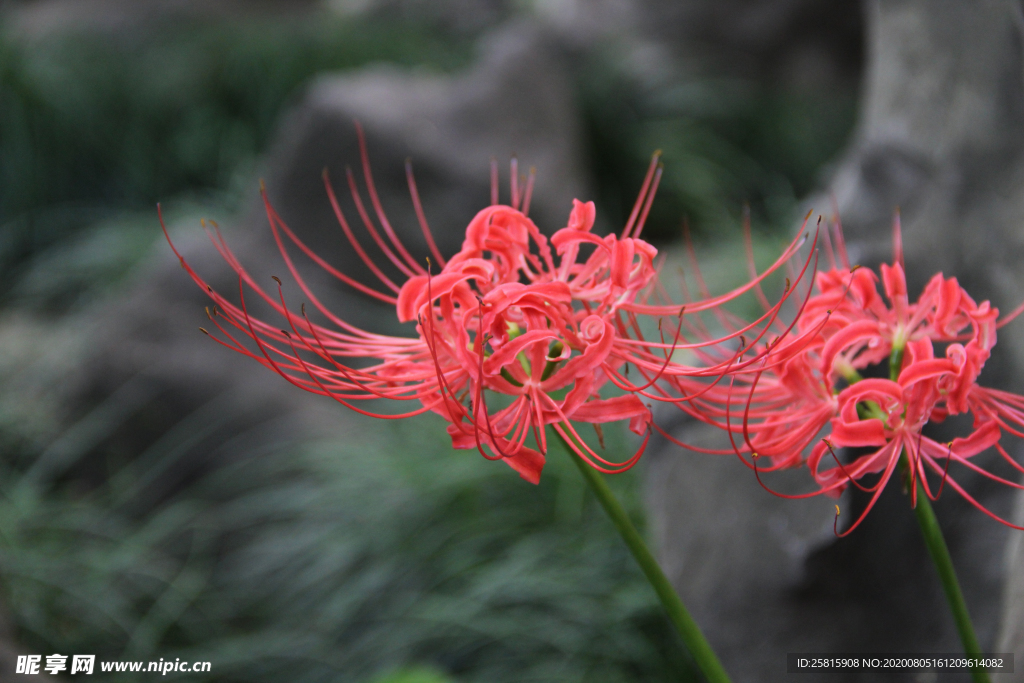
{"x":417,"y":675}
{"x":92,"y":122}
{"x":336,"y":560}
{"x":132,"y":119}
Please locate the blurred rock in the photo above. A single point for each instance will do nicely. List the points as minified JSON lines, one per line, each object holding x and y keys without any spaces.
{"x":799,"y":43}
{"x":940,"y":136}
{"x":517,"y":100}
{"x":734,"y":551}
{"x":764,"y":575}
{"x":793,"y":43}
{"x":1011,"y":632}
{"x":461,"y":16}
{"x":151,"y":368}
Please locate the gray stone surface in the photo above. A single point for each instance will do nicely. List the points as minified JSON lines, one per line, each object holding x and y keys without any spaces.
{"x":517,"y":100}
{"x":735,"y":552}
{"x":800,"y":43}
{"x":793,"y":43}
{"x":765,"y":576}
{"x":940,"y":136}
{"x":1011,"y":632}
{"x":150,"y":368}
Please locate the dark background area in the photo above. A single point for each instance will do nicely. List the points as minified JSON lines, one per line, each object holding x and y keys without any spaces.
{"x":360,"y":553}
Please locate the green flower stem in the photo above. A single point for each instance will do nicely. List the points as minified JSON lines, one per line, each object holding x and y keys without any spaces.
{"x":939,"y":552}
{"x":684,"y":623}
{"x":947,"y":575}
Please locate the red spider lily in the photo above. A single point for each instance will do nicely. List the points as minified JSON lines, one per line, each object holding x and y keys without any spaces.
{"x":505,"y":316}
{"x":809,"y":383}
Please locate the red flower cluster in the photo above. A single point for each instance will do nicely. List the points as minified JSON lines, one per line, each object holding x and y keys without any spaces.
{"x":511,"y":336}
{"x":517,"y":331}
{"x":809,"y":384}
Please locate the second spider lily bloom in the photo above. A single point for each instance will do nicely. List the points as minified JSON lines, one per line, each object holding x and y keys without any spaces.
{"x":513,"y":333}
{"x":808,"y":396}
{"x":889,"y":416}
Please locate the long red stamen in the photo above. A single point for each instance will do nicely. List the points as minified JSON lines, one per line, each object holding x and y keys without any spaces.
{"x":420,"y":216}
{"x":378,"y":209}
{"x":643,"y":193}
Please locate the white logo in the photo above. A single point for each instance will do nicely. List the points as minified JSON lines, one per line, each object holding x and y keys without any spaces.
{"x":82,"y":664}
{"x":28,"y":664}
